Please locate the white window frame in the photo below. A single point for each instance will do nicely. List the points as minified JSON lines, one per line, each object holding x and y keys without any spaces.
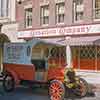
{"x":78,"y":8}
{"x":26,"y":15}
{"x":44,"y":13}
{"x":58,"y":13}
{"x":4,"y":8}
{"x":59,"y":1}
{"x":94,"y":11}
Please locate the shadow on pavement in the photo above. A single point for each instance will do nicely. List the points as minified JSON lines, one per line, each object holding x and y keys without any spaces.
{"x":26,"y":91}
{"x":72,"y":96}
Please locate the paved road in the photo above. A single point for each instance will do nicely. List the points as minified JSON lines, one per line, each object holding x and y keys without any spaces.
{"x":37,"y":94}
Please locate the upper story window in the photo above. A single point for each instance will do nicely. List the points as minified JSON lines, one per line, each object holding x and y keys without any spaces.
{"x":44,"y":15}
{"x":60,"y":12}
{"x":97,"y":9}
{"x":28,"y":17}
{"x":4,"y":8}
{"x":78,"y":10}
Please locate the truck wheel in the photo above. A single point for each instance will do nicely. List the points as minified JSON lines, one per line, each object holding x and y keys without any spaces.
{"x":82,"y":89}
{"x":56,"y":90}
{"x":8,"y":83}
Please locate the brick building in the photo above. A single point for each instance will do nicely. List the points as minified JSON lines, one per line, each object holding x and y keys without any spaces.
{"x":74,"y":22}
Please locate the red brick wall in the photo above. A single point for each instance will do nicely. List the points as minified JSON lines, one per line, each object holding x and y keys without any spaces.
{"x":68,"y":12}
{"x":88,"y":10}
{"x":20,"y":12}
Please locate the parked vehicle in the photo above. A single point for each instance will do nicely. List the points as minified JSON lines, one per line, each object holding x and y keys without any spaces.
{"x":40,"y":62}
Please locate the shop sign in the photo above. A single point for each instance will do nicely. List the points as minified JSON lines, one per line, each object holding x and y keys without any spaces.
{"x":84,"y":29}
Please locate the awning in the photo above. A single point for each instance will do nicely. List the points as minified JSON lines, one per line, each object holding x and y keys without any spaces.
{"x":85,"y":40}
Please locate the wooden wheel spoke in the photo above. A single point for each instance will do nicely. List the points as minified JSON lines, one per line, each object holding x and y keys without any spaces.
{"x":56,"y":90}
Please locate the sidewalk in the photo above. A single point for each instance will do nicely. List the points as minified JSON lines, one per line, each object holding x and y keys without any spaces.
{"x":92,"y":78}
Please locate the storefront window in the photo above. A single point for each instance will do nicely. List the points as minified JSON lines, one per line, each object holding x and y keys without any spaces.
{"x":55,"y":52}
{"x":87,"y":52}
{"x":58,"y":52}
{"x":98,"y":52}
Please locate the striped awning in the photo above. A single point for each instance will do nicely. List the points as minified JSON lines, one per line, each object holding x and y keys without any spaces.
{"x":85,"y":40}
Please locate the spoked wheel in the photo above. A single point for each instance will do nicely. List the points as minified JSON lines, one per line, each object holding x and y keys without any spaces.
{"x":8,"y":83}
{"x":56,"y":90}
{"x":82,"y":89}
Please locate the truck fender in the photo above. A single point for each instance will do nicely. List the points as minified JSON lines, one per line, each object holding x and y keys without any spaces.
{"x":14,"y":75}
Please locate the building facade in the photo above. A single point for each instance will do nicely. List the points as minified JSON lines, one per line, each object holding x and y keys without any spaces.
{"x":8,"y":25}
{"x":74,"y":22}
{"x":8,"y":19}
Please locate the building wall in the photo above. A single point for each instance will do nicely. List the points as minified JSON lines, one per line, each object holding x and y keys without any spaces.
{"x":88,"y":8}
{"x":88,"y":13}
{"x":10,"y":30}
{"x":11,"y":12}
{"x":68,"y":12}
{"x":88,"y":18}
{"x":10,"y":26}
{"x":20,"y":12}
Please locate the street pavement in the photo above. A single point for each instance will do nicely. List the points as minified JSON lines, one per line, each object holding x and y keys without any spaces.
{"x":25,"y":93}
{"x":92,"y":78}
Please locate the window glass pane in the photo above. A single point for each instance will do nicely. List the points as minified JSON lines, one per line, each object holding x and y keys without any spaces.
{"x":46,"y":20}
{"x":78,"y":10}
{"x":44,"y":15}
{"x":97,"y":9}
{"x":46,"y":12}
{"x":88,"y":52}
{"x":60,"y":10}
{"x":4,"y":4}
{"x":97,"y":4}
{"x":2,"y":8}
{"x":41,"y":12}
{"x":79,"y":15}
{"x":61,"y":18}
{"x":28,"y":17}
{"x":79,"y":2}
{"x":7,"y":7}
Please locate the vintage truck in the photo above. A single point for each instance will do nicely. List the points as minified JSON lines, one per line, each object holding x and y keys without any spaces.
{"x":40,"y":62}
